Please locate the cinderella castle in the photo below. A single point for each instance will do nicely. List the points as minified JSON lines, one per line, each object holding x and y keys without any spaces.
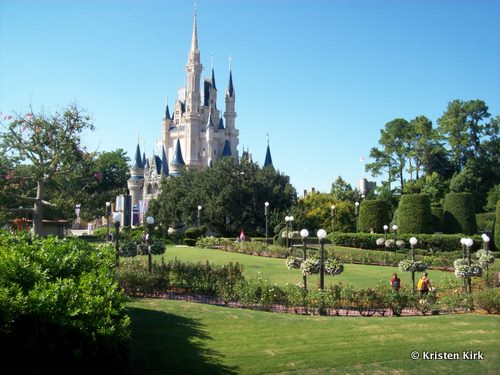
{"x":194,"y":135}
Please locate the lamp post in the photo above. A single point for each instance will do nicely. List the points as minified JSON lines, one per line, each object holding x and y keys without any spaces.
{"x":108,"y":206}
{"x":266,"y":212}
{"x":287,"y":220}
{"x":413,"y":242}
{"x":304,"y":233}
{"x":199,"y":216}
{"x":395,"y":229}
{"x":468,"y":243}
{"x":486,"y":241}
{"x":386,"y":228}
{"x":150,"y":221}
{"x":356,"y":213}
{"x":116,"y":221}
{"x":321,"y":236}
{"x":334,"y":211}
{"x":463,"y":240}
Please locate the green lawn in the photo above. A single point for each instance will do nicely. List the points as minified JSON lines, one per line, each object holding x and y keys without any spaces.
{"x":172,"y":337}
{"x":274,"y":270}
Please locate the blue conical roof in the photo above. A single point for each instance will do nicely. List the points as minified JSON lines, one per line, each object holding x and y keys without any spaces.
{"x":210,"y":123}
{"x":227,"y":149}
{"x":221,"y":124}
{"x":164,"y":162}
{"x":213,"y":79}
{"x":138,"y":158}
{"x":167,"y":113}
{"x":269,"y":160}
{"x":230,"y":88}
{"x":143,"y":159}
{"x":178,"y":159}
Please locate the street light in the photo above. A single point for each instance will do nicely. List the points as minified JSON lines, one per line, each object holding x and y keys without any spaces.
{"x":356,"y":213}
{"x":108,"y":206}
{"x":468,"y":243}
{"x":304,"y":233}
{"x":413,"y":242}
{"x":150,"y":221}
{"x":486,"y":241}
{"x":334,"y":211}
{"x":266,"y":212}
{"x":386,"y":228}
{"x":288,"y":220}
{"x":321,"y":236}
{"x":199,"y":214}
{"x":395,"y":229}
{"x":116,"y":221}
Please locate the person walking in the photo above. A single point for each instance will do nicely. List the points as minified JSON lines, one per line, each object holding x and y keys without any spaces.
{"x":395,"y":282}
{"x":424,"y":285}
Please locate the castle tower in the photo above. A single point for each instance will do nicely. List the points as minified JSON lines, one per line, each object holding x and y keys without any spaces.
{"x":136,"y":181}
{"x":230,"y":116}
{"x":193,"y":100}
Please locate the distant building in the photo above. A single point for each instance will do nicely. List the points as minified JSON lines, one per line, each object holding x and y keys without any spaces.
{"x":366,"y":186}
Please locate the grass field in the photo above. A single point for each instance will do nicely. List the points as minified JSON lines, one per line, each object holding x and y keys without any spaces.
{"x":274,"y":270}
{"x":172,"y":337}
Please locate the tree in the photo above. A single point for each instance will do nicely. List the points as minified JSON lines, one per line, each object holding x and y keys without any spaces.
{"x":232,"y":197}
{"x":463,"y":126}
{"x":51,"y":143}
{"x":343,"y":191}
{"x":395,"y":140}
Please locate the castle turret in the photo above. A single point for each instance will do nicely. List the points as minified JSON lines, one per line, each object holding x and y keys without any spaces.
{"x":230,"y":116}
{"x":268,"y":162}
{"x":177,"y":163}
{"x":136,"y":181}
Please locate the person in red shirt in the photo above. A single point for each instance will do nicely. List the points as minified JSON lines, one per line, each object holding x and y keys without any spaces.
{"x":395,"y":282}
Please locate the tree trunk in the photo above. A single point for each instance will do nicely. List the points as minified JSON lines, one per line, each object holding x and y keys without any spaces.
{"x":38,"y":208}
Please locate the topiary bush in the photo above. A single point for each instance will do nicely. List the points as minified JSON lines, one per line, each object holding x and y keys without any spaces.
{"x":437,"y":218}
{"x":414,"y":214}
{"x":373,"y":215}
{"x":459,"y":213}
{"x":194,"y":232}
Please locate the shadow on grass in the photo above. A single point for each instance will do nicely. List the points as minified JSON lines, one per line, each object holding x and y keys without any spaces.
{"x":164,"y":343}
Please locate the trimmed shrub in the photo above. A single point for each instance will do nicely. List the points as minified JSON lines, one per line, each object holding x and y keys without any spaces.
{"x":485,"y":221}
{"x":488,"y":300}
{"x":373,"y":215}
{"x":431,"y":242}
{"x":194,"y":232}
{"x":437,"y":218}
{"x":496,"y":234}
{"x":459,"y":213}
{"x":414,"y":214}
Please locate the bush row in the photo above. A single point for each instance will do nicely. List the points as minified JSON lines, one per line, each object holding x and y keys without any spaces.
{"x":60,"y":306}
{"x":228,"y":283}
{"x":430,"y":242}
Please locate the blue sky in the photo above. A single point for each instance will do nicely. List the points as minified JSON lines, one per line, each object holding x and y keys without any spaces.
{"x":321,"y":77}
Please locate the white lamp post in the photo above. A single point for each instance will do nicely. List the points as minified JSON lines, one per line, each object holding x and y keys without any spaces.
{"x":304,"y":233}
{"x":266,"y":212}
{"x":199,"y":215}
{"x":321,"y":236}
{"x":333,"y":208}
{"x":108,"y":206}
{"x":116,"y":221}
{"x":413,"y":242}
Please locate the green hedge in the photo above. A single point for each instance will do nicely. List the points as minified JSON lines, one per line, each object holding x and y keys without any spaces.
{"x":373,"y":215}
{"x":431,"y":242}
{"x":414,"y":214}
{"x":437,"y":218}
{"x":459,"y":213}
{"x":485,"y":221}
{"x":60,"y":307}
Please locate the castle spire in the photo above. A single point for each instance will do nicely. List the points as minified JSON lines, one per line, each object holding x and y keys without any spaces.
{"x":194,"y":38}
{"x":268,"y":162}
{"x":230,"y":88}
{"x":167,"y":112}
{"x":138,"y":157}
